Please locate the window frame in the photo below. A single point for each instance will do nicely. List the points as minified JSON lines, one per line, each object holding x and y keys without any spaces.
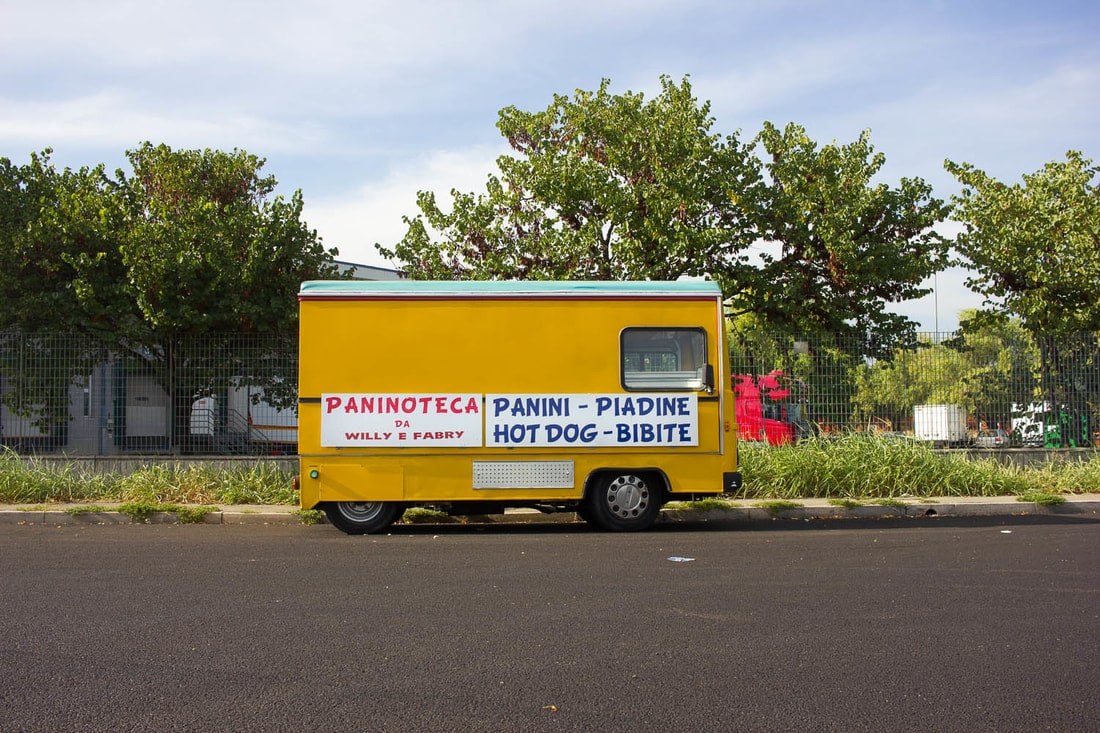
{"x":676,"y":381}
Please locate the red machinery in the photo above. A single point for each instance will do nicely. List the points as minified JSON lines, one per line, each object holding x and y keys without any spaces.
{"x":770,"y":407}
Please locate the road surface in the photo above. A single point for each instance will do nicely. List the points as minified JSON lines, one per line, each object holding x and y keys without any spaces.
{"x":928,"y":624}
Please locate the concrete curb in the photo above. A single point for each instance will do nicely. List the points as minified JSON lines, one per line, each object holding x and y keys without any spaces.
{"x":77,"y":514}
{"x":1084,"y":506}
{"x":1081,"y":505}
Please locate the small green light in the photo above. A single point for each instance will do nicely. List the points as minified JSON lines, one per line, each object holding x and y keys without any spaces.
{"x":313,"y":473}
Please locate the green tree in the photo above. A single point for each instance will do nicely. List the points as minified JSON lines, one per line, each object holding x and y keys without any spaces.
{"x":162,"y":266}
{"x":986,"y":369}
{"x":54,"y":224}
{"x":1035,"y":247}
{"x":213,"y":254}
{"x":211,"y":249}
{"x":1001,"y":368}
{"x":616,"y":187}
{"x":50,"y":222}
{"x":847,"y":246}
{"x":604,"y":187}
{"x":885,"y":392}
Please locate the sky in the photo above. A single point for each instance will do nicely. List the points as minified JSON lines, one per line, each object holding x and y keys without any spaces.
{"x":361,"y":104}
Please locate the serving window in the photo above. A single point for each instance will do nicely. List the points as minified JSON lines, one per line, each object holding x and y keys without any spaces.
{"x":663,"y":359}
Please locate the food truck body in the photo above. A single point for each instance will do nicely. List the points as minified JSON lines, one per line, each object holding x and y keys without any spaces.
{"x":607,"y":399}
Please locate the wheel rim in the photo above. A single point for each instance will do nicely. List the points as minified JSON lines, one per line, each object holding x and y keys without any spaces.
{"x":360,"y":512}
{"x":627,"y":497}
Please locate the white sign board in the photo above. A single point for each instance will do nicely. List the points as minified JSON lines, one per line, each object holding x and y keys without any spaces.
{"x":603,"y":420}
{"x":402,"y":419}
{"x":510,"y":420}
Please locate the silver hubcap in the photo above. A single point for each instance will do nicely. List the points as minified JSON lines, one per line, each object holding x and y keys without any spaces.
{"x":360,"y":511}
{"x":627,"y":497}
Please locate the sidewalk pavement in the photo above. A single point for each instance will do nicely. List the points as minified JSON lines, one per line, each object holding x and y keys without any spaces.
{"x":1077,"y":505}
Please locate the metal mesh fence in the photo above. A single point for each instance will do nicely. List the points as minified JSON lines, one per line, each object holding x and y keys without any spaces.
{"x":990,"y":390}
{"x":236,"y":394}
{"x":220,"y":395}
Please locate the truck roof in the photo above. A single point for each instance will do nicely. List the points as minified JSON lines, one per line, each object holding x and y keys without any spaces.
{"x":367,"y":289}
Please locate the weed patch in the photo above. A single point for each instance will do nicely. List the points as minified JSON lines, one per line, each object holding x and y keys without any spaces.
{"x":139,"y":511}
{"x":83,"y":509}
{"x":777,"y":506}
{"x":834,"y":469}
{"x":424,"y":515}
{"x":309,"y":516}
{"x":1042,"y":499}
{"x":705,"y":504}
{"x":192,"y":514}
{"x":890,"y":501}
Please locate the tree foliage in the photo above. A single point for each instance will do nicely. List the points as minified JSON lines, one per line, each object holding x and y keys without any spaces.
{"x":604,"y":187}
{"x":1035,"y":246}
{"x":195,"y":244}
{"x":607,"y":186}
{"x":993,"y":369}
{"x":986,"y":369}
{"x":847,"y":246}
{"x":58,"y":229}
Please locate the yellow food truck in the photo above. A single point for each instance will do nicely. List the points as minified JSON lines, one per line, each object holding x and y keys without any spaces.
{"x":606,"y":399}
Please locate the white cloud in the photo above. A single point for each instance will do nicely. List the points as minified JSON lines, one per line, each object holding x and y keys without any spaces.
{"x":116,"y":119}
{"x":1007,"y":127}
{"x":321,"y":39}
{"x":785,"y":75}
{"x":344,"y":97}
{"x":939,"y":310}
{"x":372,"y":214}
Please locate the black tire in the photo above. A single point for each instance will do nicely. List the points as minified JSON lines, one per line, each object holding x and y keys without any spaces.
{"x":362,"y":517}
{"x":624,"y":502}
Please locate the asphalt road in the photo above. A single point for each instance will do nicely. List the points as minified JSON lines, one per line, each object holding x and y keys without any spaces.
{"x":930,"y":624}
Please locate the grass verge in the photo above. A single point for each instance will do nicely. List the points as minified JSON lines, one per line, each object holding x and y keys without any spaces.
{"x":864,"y":468}
{"x":856,"y":468}
{"x":29,"y":481}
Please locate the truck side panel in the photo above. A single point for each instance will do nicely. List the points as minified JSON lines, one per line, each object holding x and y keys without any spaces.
{"x":437,"y":347}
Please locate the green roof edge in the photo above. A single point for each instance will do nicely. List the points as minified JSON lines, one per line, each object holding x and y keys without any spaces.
{"x":503,"y":287}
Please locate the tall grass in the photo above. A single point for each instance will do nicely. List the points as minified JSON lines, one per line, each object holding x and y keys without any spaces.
{"x":861,"y":466}
{"x":31,"y":482}
{"x":26,"y":481}
{"x":852,"y":467}
{"x":1078,"y":477}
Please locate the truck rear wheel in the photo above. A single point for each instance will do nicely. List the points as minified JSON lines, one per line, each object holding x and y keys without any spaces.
{"x":624,"y":502}
{"x":362,"y":517}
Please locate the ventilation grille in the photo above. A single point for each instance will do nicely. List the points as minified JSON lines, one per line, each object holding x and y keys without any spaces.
{"x":523,"y":474}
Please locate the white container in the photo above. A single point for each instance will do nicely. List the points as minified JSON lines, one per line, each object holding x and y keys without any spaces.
{"x":941,"y":425}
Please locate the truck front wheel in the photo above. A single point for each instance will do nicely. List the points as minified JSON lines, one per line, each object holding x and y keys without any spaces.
{"x":362,"y":517}
{"x":624,"y":502}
